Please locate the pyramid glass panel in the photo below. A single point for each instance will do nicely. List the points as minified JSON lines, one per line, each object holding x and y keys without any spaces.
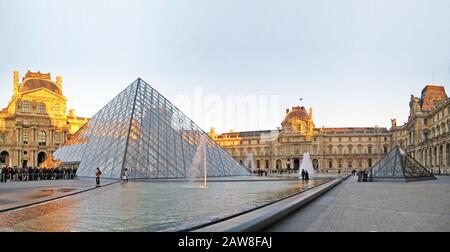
{"x":142,"y":131}
{"x":398,"y":165}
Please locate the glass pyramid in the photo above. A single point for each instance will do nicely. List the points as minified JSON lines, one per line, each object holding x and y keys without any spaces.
{"x":142,"y":131}
{"x":398,"y":165}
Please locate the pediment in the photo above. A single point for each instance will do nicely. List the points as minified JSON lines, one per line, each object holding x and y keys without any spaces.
{"x":43,"y":93}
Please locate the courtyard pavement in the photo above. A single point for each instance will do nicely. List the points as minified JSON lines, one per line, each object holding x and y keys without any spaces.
{"x":375,"y":207}
{"x":18,"y":194}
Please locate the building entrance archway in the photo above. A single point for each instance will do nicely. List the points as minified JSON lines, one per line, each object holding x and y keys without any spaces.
{"x":316,"y":164}
{"x":296,"y":164}
{"x":4,"y":158}
{"x":42,"y":156}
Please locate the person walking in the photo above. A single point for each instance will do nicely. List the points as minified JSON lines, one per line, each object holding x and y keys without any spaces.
{"x":98,"y":173}
{"x":306,"y":175}
{"x":365,"y":176}
{"x":125,"y":175}
{"x":303,"y":174}
{"x":360,"y":175}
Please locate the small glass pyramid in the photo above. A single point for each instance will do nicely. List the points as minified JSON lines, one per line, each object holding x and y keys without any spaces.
{"x":398,"y":165}
{"x":142,"y":131}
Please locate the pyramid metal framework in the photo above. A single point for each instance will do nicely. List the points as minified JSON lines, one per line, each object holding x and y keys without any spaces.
{"x":398,"y":165}
{"x":142,"y":131}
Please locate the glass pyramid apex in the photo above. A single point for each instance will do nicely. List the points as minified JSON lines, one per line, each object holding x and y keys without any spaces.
{"x":142,"y":131}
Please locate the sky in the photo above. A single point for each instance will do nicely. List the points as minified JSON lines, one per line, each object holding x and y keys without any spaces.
{"x":235,"y":64}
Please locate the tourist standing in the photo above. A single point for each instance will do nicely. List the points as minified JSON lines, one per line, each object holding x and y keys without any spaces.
{"x":98,"y":173}
{"x":360,"y":175}
{"x":303,"y":174}
{"x":365,"y":176}
{"x":125,"y":175}
{"x":306,"y":175}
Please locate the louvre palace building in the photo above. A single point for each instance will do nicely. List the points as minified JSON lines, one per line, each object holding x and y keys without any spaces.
{"x":35,"y":123}
{"x":426,"y":137}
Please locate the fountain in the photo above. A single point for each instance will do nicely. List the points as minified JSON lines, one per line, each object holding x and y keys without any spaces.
{"x":249,"y":161}
{"x":307,"y":165}
{"x":199,"y":163}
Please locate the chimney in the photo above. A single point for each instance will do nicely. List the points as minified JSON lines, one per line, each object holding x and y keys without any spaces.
{"x":287,"y":111}
{"x":311,"y":113}
{"x":16,"y":82}
{"x":72,"y":113}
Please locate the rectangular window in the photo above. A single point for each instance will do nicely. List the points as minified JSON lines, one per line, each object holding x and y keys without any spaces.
{"x":42,"y":138}
{"x":25,"y":137}
{"x":25,"y":107}
{"x":57,"y":138}
{"x":2,"y":138}
{"x":42,"y":108}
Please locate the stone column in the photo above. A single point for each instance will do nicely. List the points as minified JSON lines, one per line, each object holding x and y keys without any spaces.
{"x":444,"y":158}
{"x":17,"y":139}
{"x":19,"y":157}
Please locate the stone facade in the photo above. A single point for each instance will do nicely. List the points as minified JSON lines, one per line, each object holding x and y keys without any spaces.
{"x":334,"y":149}
{"x":34,"y":123}
{"x":426,"y":135}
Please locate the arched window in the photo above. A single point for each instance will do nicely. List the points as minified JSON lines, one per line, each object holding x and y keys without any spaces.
{"x":42,"y":138}
{"x":25,"y":107}
{"x":330,"y":164}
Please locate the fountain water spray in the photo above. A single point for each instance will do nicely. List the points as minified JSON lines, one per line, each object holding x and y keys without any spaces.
{"x":307,"y":165}
{"x":249,"y":161}
{"x":200,"y":161}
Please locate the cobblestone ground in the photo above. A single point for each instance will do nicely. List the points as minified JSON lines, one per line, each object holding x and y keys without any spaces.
{"x":381,"y":207}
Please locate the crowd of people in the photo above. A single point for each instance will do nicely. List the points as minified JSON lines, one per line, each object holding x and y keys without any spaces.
{"x":34,"y":174}
{"x":363,"y":175}
{"x":262,"y":173}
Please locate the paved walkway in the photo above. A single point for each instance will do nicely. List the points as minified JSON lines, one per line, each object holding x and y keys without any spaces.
{"x":381,"y":206}
{"x":16,"y":194}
